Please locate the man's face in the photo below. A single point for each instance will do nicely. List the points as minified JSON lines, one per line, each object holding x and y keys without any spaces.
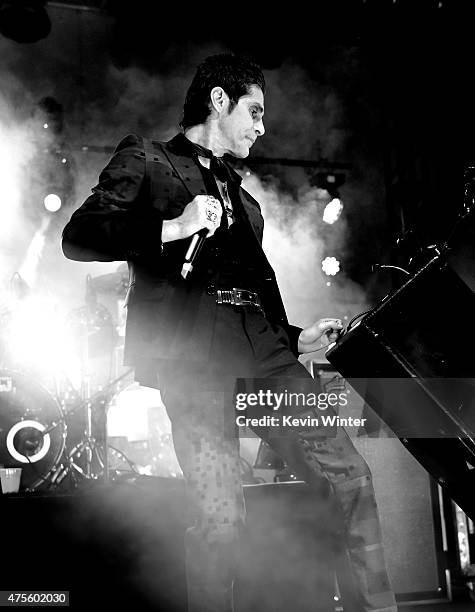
{"x":240,"y":128}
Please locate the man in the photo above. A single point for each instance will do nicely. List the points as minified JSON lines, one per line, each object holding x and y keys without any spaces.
{"x":192,"y":337}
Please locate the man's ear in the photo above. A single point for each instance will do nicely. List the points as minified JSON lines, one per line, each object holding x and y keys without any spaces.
{"x":219,"y":99}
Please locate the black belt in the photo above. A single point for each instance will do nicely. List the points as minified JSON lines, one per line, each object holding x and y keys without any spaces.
{"x":236,"y":297}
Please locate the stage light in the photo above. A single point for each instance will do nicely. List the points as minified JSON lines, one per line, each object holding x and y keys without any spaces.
{"x":49,"y":113}
{"x":51,"y":173}
{"x":332,"y":211}
{"x":28,"y":270}
{"x":330,"y":181}
{"x":52,"y":202}
{"x":330,"y":266}
{"x":38,"y":336}
{"x":24,"y":21}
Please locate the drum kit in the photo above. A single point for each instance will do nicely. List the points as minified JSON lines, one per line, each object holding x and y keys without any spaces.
{"x":56,"y":430}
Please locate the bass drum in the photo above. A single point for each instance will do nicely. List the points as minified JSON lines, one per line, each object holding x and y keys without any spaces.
{"x":27,"y":410}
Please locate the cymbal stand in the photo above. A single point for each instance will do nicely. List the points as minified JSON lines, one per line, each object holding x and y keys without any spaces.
{"x":95,"y":453}
{"x":88,"y":446}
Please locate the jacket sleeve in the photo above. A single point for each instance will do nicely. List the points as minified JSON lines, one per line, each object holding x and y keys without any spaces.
{"x":293,"y":333}
{"x":117,"y":222}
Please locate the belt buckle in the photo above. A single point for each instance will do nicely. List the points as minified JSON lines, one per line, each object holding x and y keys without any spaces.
{"x":251,"y":300}
{"x":239,"y":299}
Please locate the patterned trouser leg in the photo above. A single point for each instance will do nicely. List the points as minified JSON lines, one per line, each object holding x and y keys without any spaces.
{"x":337,"y":460}
{"x":210,"y":465}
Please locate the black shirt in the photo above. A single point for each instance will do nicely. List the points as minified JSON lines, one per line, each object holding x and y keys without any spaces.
{"x":229,"y":258}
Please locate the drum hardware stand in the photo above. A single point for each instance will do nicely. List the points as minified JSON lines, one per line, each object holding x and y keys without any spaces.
{"x":88,"y":446}
{"x":95,"y":453}
{"x":88,"y":460}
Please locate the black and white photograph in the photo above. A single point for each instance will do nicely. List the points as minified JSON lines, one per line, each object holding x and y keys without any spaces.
{"x":237,"y":291}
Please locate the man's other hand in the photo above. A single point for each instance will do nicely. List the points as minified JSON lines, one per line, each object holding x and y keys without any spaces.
{"x":321,"y":333}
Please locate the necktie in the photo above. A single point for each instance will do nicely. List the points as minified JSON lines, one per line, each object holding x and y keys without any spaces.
{"x":217,"y":165}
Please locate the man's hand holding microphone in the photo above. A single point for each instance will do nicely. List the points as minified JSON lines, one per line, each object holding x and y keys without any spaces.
{"x":200,"y":219}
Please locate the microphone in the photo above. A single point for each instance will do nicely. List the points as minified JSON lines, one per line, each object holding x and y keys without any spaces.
{"x":196,"y":243}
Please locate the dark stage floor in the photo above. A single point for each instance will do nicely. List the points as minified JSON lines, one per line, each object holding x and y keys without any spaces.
{"x":124,"y":543}
{"x":441,"y":607}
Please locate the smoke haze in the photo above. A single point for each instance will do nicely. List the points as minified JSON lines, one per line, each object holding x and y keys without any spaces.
{"x":103,"y":101}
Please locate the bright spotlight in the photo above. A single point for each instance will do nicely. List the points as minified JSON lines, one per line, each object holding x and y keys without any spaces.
{"x":52,"y":202}
{"x":39,"y":337}
{"x":331,"y":266}
{"x":332,"y":210}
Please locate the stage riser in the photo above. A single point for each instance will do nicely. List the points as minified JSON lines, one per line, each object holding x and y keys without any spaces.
{"x":122,"y":545}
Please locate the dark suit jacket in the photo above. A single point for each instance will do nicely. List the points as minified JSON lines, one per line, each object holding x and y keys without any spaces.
{"x":168,"y":317}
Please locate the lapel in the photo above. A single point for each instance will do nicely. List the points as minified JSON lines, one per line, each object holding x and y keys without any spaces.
{"x":185,"y":169}
{"x":252,"y":214}
{"x":193,"y":184}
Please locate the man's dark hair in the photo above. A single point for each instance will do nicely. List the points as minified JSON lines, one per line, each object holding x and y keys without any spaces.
{"x":234,"y":73}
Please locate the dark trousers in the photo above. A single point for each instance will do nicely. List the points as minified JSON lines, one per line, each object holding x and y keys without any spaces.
{"x":200,"y":399}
